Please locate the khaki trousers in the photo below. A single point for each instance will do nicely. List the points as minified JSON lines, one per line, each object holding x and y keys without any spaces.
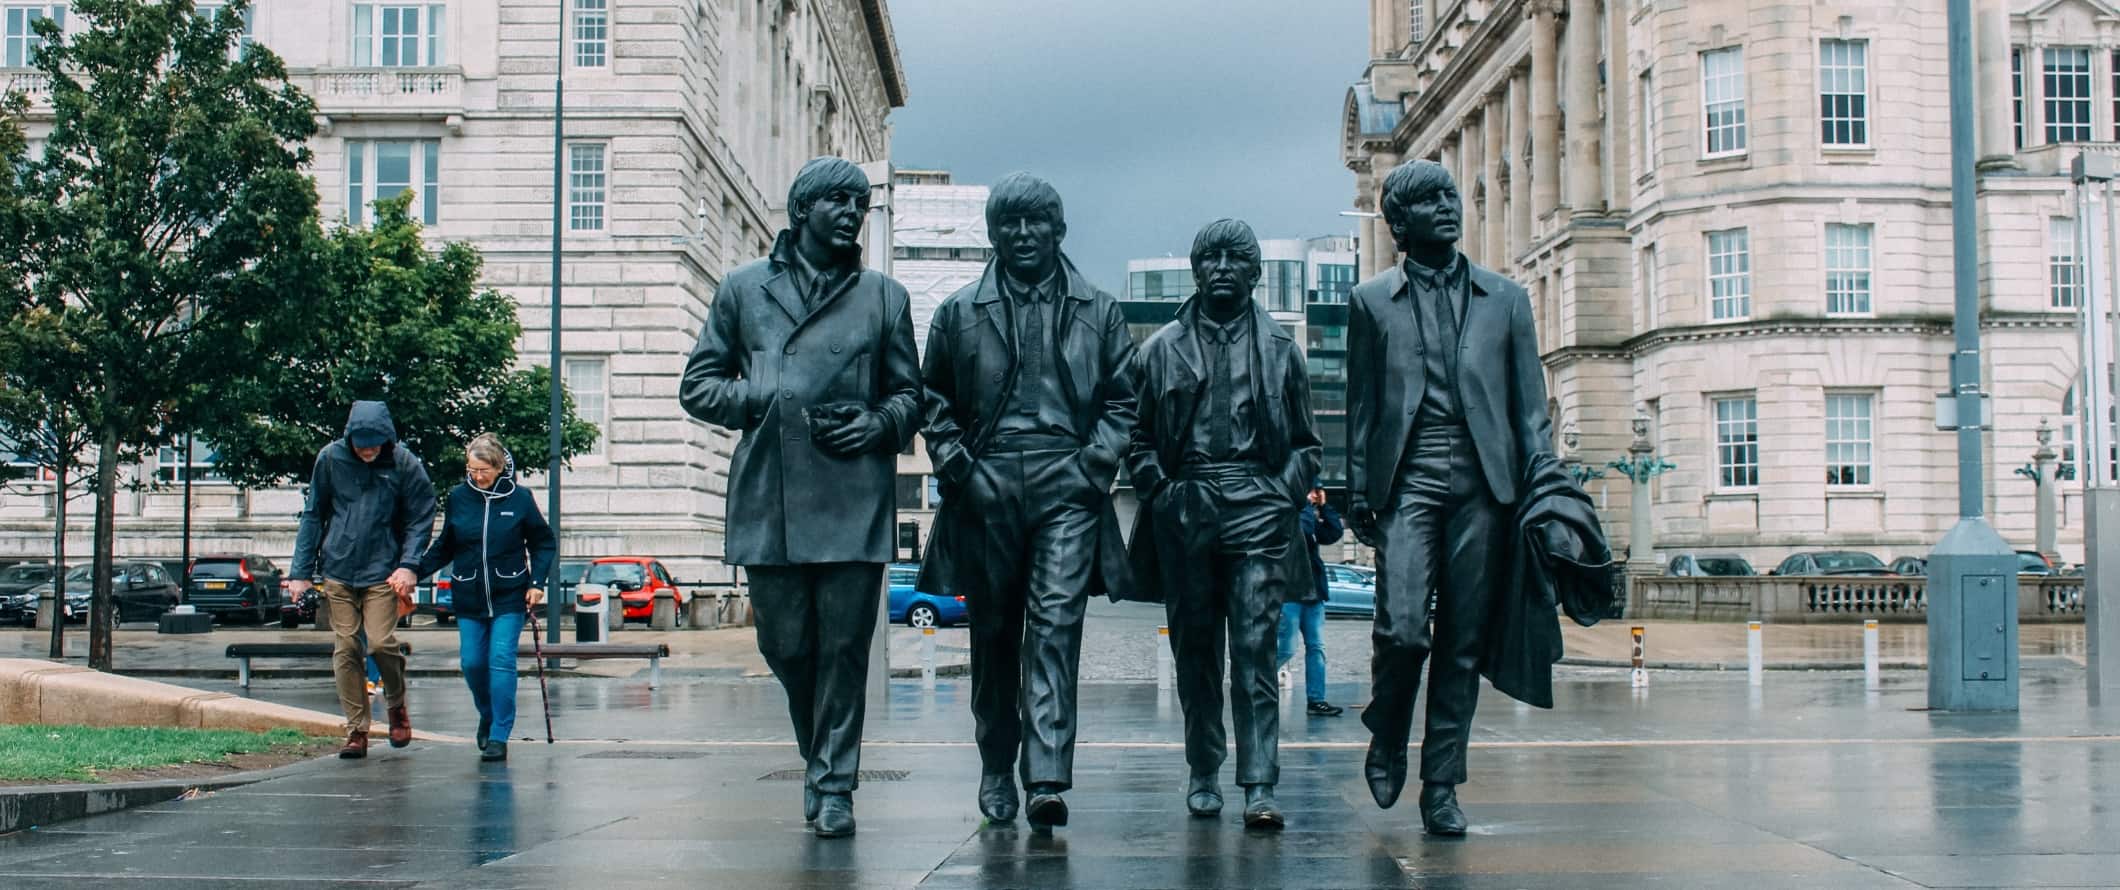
{"x":353,"y":610}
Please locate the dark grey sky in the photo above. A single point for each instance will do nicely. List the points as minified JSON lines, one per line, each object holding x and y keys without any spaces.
{"x":1152,"y":117}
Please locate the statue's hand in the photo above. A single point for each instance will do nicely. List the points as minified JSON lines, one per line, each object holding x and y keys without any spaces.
{"x":857,"y":436}
{"x":1363,"y":522}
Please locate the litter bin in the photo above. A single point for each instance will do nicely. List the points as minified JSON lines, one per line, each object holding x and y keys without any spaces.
{"x":589,"y":617}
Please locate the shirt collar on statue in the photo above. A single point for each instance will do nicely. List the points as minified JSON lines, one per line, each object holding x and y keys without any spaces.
{"x":1436,"y":279}
{"x":1224,"y":333}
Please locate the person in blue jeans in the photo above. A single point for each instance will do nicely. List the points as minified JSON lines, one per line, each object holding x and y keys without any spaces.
{"x":1321,"y":525}
{"x":499,"y":552}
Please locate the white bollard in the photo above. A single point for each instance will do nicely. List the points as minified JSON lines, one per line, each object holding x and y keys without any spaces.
{"x":1755,"y":654}
{"x":1164,"y":667}
{"x":1870,"y":678}
{"x":1640,"y":676}
{"x":927,"y":657}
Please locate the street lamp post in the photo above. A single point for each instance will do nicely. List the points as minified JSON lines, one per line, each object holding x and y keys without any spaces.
{"x":1639,"y":466}
{"x":558,"y":403}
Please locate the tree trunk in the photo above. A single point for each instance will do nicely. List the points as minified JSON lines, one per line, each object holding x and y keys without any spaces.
{"x":58,"y":649}
{"x":100,"y":602}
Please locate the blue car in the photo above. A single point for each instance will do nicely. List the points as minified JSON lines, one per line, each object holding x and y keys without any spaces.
{"x":1350,"y":591}
{"x":919,"y":609}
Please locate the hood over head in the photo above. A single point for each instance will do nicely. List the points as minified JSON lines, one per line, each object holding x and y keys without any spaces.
{"x":368,"y":425}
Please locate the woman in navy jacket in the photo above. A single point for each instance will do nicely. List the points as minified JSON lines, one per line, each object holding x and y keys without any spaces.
{"x":499,"y":553}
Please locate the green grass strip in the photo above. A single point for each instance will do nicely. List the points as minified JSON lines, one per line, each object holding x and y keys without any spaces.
{"x":79,"y":753}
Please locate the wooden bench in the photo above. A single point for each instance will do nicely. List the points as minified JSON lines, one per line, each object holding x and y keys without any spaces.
{"x":653,"y":652}
{"x":244,"y":652}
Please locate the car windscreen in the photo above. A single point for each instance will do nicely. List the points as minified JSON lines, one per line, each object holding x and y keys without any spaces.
{"x":1841,"y":562}
{"x":1713,"y":566}
{"x":25,"y":574}
{"x":607,"y":572}
{"x":223,"y":569}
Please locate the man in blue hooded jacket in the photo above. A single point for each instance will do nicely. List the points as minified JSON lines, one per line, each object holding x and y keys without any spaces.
{"x":365,"y":523}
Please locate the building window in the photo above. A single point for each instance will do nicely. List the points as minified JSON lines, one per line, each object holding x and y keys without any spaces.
{"x":910,"y":488}
{"x":1737,"y":442}
{"x":585,"y":379}
{"x":1847,"y":269}
{"x":381,"y":169}
{"x":592,"y":34}
{"x":1335,"y":283}
{"x":585,"y":187}
{"x":2068,"y":94}
{"x":1417,"y":21}
{"x":2067,"y":467}
{"x":2063,"y":277}
{"x":1281,"y":287}
{"x":20,"y":44}
{"x":171,"y":466}
{"x":1167,"y":284}
{"x":1730,"y":274}
{"x":2115,"y":68}
{"x":209,"y":9}
{"x":2017,"y":94}
{"x":1645,"y":272}
{"x":1649,"y":122}
{"x":1722,"y":81}
{"x":397,"y":35}
{"x":1844,"y":92}
{"x":1848,"y":436}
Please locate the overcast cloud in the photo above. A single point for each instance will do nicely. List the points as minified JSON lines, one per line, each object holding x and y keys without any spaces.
{"x":1152,"y":117}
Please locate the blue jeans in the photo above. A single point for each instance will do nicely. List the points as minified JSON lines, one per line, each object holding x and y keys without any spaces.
{"x":486,"y":649}
{"x":1311,"y":619}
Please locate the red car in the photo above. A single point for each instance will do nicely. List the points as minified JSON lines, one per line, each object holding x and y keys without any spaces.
{"x":636,"y":578}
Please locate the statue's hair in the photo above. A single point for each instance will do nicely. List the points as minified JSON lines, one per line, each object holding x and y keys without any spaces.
{"x":1226,"y":234}
{"x":820,"y":177}
{"x":1021,"y":194}
{"x":1411,"y":182}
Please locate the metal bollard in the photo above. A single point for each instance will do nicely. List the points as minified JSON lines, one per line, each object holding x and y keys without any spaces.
{"x":927,"y":657}
{"x":1870,"y":678}
{"x":1164,"y":667}
{"x":1755,"y":654}
{"x":1640,"y":675}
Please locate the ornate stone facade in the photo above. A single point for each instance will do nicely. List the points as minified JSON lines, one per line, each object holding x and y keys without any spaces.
{"x":1735,"y":216}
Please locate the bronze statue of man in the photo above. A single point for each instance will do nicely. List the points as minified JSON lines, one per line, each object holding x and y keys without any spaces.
{"x":1029,"y":407}
{"x":812,"y":357}
{"x":1447,"y":411}
{"x":1223,"y":457}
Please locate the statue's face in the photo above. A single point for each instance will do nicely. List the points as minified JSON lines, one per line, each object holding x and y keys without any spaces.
{"x":1432,"y":218}
{"x":835,"y":219}
{"x":1226,"y":277}
{"x":1029,"y":243}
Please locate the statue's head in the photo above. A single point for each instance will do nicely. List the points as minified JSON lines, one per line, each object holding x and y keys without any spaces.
{"x":1025,"y":224}
{"x":1421,"y":205}
{"x":827,"y":205}
{"x":1225,"y":265}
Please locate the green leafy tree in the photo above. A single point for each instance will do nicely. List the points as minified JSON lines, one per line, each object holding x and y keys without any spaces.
{"x":156,"y":227}
{"x":395,"y":321}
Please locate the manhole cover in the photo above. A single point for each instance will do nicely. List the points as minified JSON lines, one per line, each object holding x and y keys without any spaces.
{"x":867,"y":775}
{"x":645,"y":755}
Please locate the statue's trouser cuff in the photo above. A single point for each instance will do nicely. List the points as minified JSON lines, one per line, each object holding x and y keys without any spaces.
{"x":815,"y":623}
{"x":1442,"y":532}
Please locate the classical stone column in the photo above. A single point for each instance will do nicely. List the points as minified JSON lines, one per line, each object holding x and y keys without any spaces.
{"x":2034,"y":96}
{"x":1619,"y":108}
{"x":1519,"y":161}
{"x":1471,"y":155}
{"x":1641,"y":550}
{"x":1496,"y":222}
{"x":1998,"y":142}
{"x":1586,"y":180}
{"x":1545,"y":108}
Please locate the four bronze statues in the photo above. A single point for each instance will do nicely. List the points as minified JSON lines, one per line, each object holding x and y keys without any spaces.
{"x":1031,"y":398}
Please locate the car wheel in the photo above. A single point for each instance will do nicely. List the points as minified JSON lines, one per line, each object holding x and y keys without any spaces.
{"x":922,"y":615}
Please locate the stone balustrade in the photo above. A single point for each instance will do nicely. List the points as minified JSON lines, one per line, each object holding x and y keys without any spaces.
{"x":1788,"y":599}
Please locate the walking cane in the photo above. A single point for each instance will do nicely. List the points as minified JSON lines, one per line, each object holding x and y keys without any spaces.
{"x":537,"y":645}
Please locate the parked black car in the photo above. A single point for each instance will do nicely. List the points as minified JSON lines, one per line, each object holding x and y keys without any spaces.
{"x":1914,"y":566}
{"x":2029,"y":562}
{"x":142,"y":591}
{"x":1832,"y":562}
{"x":17,"y":604}
{"x":235,"y":584}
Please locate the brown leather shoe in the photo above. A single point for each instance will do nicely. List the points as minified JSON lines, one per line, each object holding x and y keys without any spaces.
{"x":400,"y":727}
{"x":356,"y":746}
